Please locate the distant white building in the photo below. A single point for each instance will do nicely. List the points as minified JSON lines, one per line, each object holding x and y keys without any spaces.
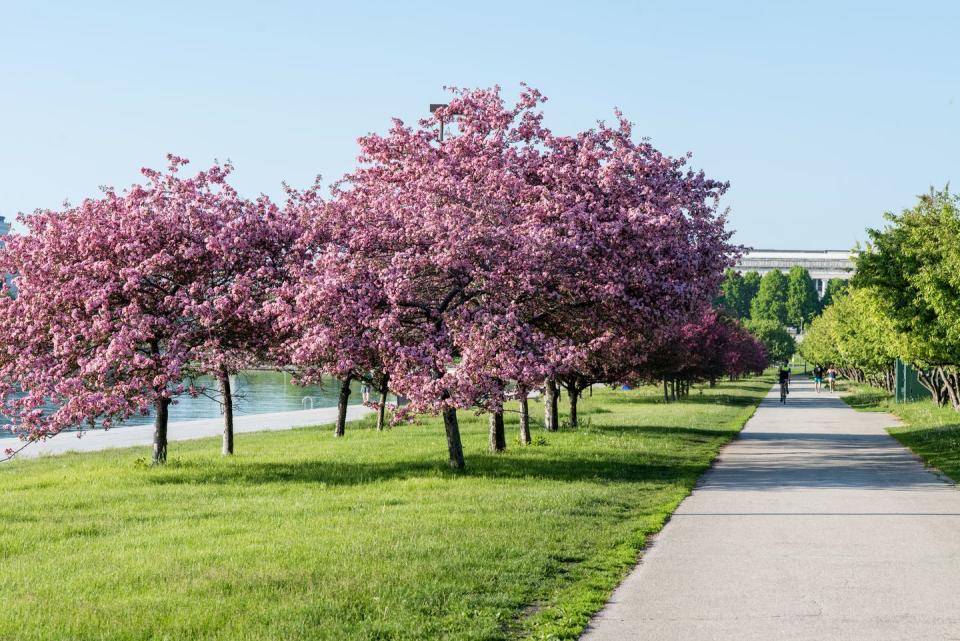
{"x":823,"y":264}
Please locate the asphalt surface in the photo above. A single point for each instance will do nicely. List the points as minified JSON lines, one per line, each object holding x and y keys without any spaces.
{"x":814,"y":524}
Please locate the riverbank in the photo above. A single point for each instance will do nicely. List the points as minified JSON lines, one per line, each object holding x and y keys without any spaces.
{"x":142,"y":435}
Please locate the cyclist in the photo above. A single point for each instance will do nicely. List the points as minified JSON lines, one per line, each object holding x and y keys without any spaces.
{"x":784,"y":382}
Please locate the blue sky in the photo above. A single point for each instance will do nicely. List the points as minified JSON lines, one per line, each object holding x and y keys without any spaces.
{"x":822,"y":115}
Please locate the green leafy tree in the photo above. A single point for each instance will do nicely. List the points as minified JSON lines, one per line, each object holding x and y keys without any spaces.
{"x":751,"y":285}
{"x":856,"y":335}
{"x":819,"y":344}
{"x":914,"y":265}
{"x":737,"y":292}
{"x":776,"y":339}
{"x":865,"y":337}
{"x":835,"y":287}
{"x":770,"y":303}
{"x":802,"y":300}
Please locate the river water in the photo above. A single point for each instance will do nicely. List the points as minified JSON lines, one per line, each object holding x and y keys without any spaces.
{"x":254,"y":392}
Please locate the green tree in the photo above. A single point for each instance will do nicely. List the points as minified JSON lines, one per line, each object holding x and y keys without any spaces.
{"x":855,"y":335}
{"x":737,"y":292}
{"x":751,"y":285}
{"x":914,"y":265}
{"x":865,"y":337}
{"x":770,"y":303}
{"x":819,"y":345}
{"x":802,"y":300}
{"x":776,"y":339}
{"x":835,"y":287}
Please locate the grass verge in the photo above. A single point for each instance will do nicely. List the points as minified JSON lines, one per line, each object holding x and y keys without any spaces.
{"x":303,"y":536}
{"x":931,"y":432}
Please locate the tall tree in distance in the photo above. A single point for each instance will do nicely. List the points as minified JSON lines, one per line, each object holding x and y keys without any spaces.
{"x":777,"y":341}
{"x":770,"y":302}
{"x":751,"y":285}
{"x":834,"y":288}
{"x":737,"y":292}
{"x":802,"y":299}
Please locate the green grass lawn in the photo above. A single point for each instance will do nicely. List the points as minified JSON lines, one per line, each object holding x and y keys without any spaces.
{"x":930,"y":431}
{"x":301,"y":536}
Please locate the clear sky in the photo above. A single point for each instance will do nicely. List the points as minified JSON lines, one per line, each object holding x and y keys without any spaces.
{"x":822,"y":115}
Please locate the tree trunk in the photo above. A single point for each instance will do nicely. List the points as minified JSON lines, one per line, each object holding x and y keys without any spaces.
{"x":666,"y":393}
{"x":930,"y":382}
{"x":950,"y":382}
{"x":524,"y":416}
{"x":454,"y":446}
{"x":227,"y":394}
{"x":551,"y":412}
{"x":160,"y":432}
{"x":574,"y":395}
{"x":498,"y":438}
{"x":342,"y":407}
{"x":713,"y":381}
{"x":381,"y":412}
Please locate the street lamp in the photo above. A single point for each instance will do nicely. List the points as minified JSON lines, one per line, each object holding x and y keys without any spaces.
{"x":434,"y":106}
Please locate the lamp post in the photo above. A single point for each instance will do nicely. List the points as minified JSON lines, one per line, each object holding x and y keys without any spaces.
{"x":434,"y":106}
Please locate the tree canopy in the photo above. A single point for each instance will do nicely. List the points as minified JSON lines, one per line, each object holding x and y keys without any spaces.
{"x":802,"y":301}
{"x":834,"y":288}
{"x":737,"y":292}
{"x":777,"y":341}
{"x":770,"y":303}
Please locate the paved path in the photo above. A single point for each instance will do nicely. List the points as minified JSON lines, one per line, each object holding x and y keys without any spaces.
{"x":815,"y":525}
{"x":136,"y":435}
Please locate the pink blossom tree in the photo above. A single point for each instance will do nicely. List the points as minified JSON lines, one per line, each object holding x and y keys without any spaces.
{"x":250,"y":258}
{"x":712,"y":346}
{"x":628,"y":242}
{"x":330,"y":307}
{"x":510,"y":254}
{"x":123,"y":300}
{"x":433,"y":227}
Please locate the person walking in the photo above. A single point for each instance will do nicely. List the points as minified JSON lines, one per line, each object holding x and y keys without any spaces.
{"x":365,"y":391}
{"x":817,"y":377}
{"x":831,"y":377}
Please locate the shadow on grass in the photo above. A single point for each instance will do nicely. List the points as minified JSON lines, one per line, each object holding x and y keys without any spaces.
{"x":943,"y":435}
{"x":867,"y":400}
{"x":693,"y":399}
{"x":610,"y":466}
{"x":668,"y":431}
{"x":938,"y":446}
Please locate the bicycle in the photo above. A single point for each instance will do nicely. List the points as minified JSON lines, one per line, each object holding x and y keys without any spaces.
{"x":784,"y":390}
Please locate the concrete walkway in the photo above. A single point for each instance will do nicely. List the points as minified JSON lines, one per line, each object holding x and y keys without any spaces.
{"x":137,"y":435}
{"x":815,"y":525}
